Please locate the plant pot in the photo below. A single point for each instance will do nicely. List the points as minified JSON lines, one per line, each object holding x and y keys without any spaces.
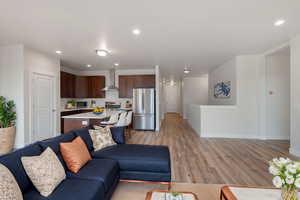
{"x":7,"y":139}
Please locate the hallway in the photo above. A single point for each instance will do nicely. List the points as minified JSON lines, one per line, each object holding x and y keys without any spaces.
{"x":213,"y":160}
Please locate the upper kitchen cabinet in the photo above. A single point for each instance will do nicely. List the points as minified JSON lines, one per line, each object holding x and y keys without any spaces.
{"x":67,"y":85}
{"x":128,"y":82}
{"x":95,"y":86}
{"x":81,"y":87}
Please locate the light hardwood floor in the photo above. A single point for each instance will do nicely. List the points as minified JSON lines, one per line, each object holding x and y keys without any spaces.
{"x":212,"y":160}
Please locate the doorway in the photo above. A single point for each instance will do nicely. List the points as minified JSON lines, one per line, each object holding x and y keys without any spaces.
{"x":172,"y":97}
{"x":278,"y":94}
{"x":43,"y":107}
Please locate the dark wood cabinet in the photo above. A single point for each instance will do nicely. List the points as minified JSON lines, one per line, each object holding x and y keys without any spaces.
{"x":71,"y":112}
{"x":72,"y":86}
{"x":95,"y":86}
{"x":67,"y":85}
{"x":81,"y":87}
{"x":128,"y":82}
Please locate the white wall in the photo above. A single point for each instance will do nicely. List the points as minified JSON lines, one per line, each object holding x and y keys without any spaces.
{"x":157,"y":97}
{"x":278,"y":95}
{"x":225,"y":72}
{"x":17,"y":63}
{"x":295,"y":96}
{"x":194,"y":91}
{"x":37,"y":62}
{"x":241,"y":120}
{"x":12,"y":84}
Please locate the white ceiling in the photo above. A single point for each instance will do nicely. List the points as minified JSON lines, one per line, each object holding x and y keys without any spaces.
{"x":175,"y":33}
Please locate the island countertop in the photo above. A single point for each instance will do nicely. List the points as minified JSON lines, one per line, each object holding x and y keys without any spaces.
{"x":89,"y":115}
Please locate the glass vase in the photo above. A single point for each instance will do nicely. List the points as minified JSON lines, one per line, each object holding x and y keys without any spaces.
{"x":289,"y":193}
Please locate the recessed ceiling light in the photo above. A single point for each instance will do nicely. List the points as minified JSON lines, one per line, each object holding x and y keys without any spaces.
{"x":136,"y":31}
{"x":88,"y":65}
{"x":279,"y":22}
{"x":186,"y":70}
{"x":116,"y":64}
{"x":102,"y":52}
{"x":58,"y":52}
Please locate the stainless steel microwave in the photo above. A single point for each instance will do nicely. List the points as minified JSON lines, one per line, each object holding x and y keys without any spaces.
{"x":81,"y":104}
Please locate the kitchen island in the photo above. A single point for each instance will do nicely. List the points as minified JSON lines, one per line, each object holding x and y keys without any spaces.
{"x":78,"y":121}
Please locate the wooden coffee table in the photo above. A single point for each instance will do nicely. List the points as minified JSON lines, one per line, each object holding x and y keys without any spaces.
{"x":248,"y":192}
{"x":160,"y":195}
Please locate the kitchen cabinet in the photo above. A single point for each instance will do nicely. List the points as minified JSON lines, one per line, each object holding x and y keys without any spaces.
{"x":72,"y":86}
{"x":128,"y":82}
{"x":81,"y":87}
{"x":95,"y":86}
{"x":67,"y":85}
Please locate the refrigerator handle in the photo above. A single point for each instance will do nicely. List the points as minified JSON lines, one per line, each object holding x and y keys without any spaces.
{"x":143,"y":101}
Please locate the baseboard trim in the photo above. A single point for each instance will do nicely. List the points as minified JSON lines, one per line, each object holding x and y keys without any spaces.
{"x":230,"y":136}
{"x":295,"y":152}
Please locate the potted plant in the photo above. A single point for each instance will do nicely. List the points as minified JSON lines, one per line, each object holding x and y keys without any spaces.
{"x":7,"y":125}
{"x":286,"y":175}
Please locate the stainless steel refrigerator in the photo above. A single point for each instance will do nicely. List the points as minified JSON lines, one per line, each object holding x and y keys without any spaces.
{"x":144,"y":109}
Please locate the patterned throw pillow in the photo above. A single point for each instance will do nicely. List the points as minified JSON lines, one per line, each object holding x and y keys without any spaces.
{"x":101,"y":138}
{"x":45,"y":171}
{"x":9,"y":188}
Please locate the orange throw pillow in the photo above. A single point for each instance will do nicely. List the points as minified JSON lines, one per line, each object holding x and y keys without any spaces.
{"x":75,"y":154}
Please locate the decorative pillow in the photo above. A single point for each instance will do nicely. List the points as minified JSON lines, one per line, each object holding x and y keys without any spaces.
{"x":9,"y":188}
{"x":75,"y":154}
{"x":101,"y":138}
{"x":45,"y":171}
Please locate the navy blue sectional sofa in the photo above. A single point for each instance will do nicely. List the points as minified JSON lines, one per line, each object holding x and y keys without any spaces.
{"x":98,"y":179}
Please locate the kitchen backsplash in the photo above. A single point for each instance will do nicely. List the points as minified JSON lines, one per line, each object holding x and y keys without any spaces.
{"x":110,"y":96}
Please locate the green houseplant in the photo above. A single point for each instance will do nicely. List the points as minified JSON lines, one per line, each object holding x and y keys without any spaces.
{"x":7,"y":125}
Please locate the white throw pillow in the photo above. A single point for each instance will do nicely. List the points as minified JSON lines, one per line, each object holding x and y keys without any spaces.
{"x":9,"y":188}
{"x":101,"y":137}
{"x":45,"y":171}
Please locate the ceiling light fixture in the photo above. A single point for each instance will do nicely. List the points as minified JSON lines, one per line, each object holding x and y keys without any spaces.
{"x":88,"y":65}
{"x":186,"y":70}
{"x":102,"y":52}
{"x":136,"y":31}
{"x":58,"y":52}
{"x":279,"y":22}
{"x":116,"y":64}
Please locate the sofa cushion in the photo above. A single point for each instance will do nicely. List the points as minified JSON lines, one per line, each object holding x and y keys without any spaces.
{"x":84,"y":134}
{"x":146,"y":176}
{"x":53,"y":143}
{"x":13,"y":162}
{"x":102,"y":138}
{"x":118,"y":134}
{"x":134,"y":157}
{"x":45,"y":171}
{"x":75,"y":154}
{"x":103,"y":170}
{"x":9,"y":188}
{"x":75,"y":189}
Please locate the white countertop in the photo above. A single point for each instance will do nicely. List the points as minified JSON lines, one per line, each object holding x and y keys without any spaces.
{"x":75,"y":109}
{"x":90,"y":115}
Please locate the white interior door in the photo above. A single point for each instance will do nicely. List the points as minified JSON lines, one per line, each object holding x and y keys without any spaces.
{"x":278,"y":96}
{"x":43,"y":107}
{"x":172,"y":95}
